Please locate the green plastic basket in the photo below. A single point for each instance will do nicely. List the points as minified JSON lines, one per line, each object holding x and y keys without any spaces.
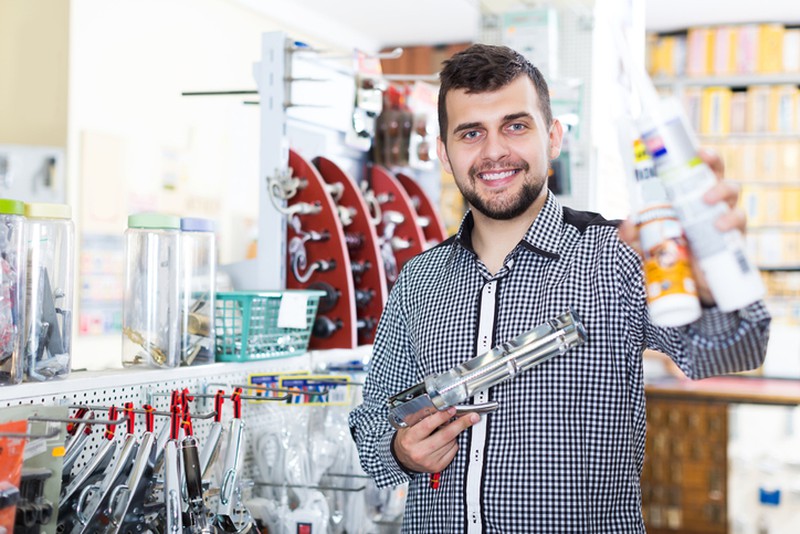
{"x":246,"y":325}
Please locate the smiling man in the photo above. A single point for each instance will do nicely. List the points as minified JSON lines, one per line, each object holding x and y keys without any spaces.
{"x":564,"y":452}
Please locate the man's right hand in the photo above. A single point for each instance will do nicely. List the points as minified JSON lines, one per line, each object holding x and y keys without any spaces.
{"x":430,"y":445}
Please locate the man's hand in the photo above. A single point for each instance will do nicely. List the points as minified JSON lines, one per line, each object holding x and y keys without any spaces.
{"x":430,"y":445}
{"x":733,"y":219}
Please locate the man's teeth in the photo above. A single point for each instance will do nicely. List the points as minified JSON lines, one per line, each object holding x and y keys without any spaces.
{"x":491,"y":176}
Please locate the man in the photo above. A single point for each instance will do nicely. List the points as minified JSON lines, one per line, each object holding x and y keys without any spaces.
{"x":564,"y":452}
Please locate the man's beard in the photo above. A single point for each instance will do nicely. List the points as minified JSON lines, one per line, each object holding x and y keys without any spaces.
{"x":509,"y":210}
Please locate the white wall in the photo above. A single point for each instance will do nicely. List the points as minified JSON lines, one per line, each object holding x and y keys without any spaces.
{"x":131,"y":132}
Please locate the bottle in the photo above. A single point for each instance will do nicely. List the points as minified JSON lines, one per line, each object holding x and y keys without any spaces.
{"x":12,"y":290}
{"x":733,"y":280}
{"x":670,"y":288}
{"x":49,"y":236}
{"x":151,"y":312}
{"x":198,"y":290}
{"x":769,"y":500}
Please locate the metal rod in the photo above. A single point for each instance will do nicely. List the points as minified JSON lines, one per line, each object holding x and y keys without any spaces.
{"x":27,"y":435}
{"x":331,"y":488}
{"x":123,"y":419}
{"x":217,"y":93}
{"x":279,"y":390}
{"x":103,"y":408}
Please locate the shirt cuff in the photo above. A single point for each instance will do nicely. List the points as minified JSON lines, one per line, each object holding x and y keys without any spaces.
{"x":716,"y":323}
{"x":389,"y":458}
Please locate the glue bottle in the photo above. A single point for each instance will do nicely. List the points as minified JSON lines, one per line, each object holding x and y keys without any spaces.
{"x":670,"y":288}
{"x":733,"y":280}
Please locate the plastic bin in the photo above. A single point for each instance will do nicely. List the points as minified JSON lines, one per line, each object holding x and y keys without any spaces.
{"x":247,"y":324}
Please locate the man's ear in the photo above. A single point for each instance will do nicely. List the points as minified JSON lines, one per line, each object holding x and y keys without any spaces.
{"x":441,"y":151}
{"x":556,"y":136}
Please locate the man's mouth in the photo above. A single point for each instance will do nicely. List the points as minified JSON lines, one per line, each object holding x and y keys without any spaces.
{"x":492,"y":176}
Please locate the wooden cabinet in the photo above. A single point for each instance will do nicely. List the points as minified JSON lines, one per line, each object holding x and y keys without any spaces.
{"x":685,"y":474}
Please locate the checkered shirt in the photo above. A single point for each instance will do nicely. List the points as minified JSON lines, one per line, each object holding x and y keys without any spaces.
{"x":564,"y":452}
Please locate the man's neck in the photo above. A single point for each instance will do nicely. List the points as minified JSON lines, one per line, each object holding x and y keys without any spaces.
{"x":494,"y":239}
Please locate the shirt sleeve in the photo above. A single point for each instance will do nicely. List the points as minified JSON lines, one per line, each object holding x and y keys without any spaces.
{"x":392,"y":369}
{"x":717,"y":343}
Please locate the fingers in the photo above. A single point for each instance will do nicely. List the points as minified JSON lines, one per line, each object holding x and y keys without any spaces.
{"x":630,"y":235}
{"x":430,"y":445}
{"x":712,"y":160}
{"x":722,"y":191}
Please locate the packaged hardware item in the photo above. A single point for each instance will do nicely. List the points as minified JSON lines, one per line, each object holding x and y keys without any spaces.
{"x":50,"y":234}
{"x":12,"y":290}
{"x":151,"y":311}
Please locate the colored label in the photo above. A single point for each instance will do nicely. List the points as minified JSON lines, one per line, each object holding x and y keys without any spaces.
{"x":667,"y":270}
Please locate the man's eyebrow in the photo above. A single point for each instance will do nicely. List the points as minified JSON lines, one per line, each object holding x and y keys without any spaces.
{"x":515,"y":116}
{"x":466,"y":126}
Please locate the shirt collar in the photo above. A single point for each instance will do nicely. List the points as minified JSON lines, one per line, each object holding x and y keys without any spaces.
{"x":543,"y":237}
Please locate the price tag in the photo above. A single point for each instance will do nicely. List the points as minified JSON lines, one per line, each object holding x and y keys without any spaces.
{"x":293,"y":311}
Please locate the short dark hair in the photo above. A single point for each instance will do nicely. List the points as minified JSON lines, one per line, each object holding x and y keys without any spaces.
{"x":482,"y":68}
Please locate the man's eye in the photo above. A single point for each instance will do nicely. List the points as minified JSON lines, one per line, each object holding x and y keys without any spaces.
{"x":517,"y":127}
{"x":471,"y":135}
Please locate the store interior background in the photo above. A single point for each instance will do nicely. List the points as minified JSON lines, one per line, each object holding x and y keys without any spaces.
{"x":101,"y":82}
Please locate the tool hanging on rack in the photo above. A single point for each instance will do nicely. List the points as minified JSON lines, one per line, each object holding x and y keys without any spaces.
{"x":428,"y":217}
{"x":317,"y":253}
{"x":361,"y":238}
{"x":399,"y":234}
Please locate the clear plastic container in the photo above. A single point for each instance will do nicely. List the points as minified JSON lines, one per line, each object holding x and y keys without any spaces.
{"x":49,"y":236}
{"x":151,"y":311}
{"x":198,"y":290}
{"x":12,"y":290}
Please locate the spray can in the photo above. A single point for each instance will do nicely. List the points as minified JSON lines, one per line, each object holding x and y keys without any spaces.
{"x":670,"y":287}
{"x":733,"y":280}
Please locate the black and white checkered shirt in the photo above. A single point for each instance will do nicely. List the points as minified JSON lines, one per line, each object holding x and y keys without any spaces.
{"x":564,"y":452}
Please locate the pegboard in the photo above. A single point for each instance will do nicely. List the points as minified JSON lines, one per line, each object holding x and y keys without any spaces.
{"x":147,"y":386}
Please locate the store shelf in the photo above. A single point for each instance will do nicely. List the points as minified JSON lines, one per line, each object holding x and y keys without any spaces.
{"x":730,"y":389}
{"x":750,"y":136}
{"x":781,"y":269}
{"x":733,"y":81}
{"x":116,"y":379}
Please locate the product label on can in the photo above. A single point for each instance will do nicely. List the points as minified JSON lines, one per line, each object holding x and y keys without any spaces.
{"x":667,"y":269}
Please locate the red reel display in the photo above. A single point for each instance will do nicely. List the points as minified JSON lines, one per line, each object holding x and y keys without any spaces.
{"x":428,"y":216}
{"x":318,"y":259}
{"x":399,"y":235}
{"x":361,"y":238}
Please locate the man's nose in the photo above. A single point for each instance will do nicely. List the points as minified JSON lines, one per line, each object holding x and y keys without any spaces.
{"x":496,"y":146}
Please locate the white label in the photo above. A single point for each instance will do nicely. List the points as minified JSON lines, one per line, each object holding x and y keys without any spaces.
{"x":34,"y":448}
{"x":293,"y":311}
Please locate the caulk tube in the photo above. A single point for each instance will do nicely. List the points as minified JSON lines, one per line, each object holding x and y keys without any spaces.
{"x":733,"y":280}
{"x":669,"y":285}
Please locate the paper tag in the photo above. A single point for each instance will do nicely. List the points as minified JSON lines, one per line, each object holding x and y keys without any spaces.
{"x":293,"y":311}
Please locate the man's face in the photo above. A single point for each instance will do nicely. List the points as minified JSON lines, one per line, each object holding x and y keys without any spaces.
{"x":499,"y":148}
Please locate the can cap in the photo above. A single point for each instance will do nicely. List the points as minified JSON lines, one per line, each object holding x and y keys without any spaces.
{"x":154,"y":220}
{"x":12,"y":207}
{"x":46,"y":210}
{"x":196,"y":224}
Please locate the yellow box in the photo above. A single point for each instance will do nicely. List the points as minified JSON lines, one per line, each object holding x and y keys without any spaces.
{"x":782,"y":108}
{"x":770,"y":48}
{"x":716,"y":111}
{"x":790,"y":205}
{"x":789,"y":161}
